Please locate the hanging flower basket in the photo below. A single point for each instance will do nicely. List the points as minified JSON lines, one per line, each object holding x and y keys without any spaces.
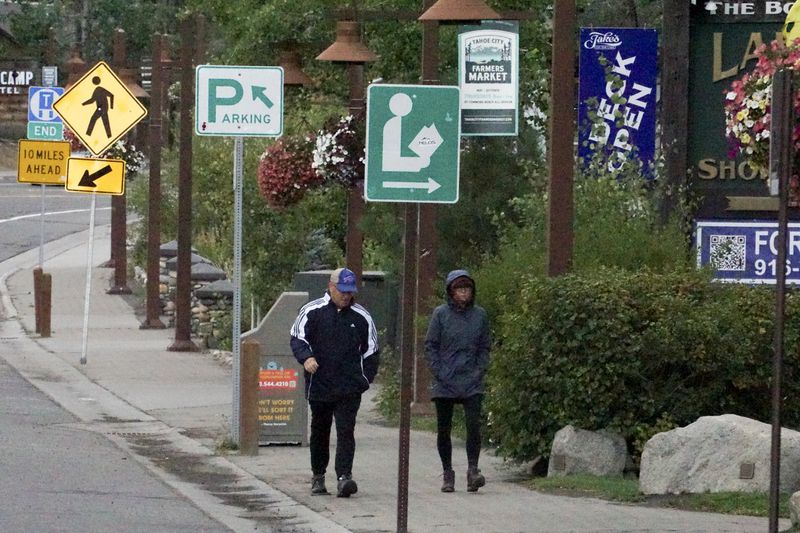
{"x":339,"y":151}
{"x":748,"y":107}
{"x":285,"y":172}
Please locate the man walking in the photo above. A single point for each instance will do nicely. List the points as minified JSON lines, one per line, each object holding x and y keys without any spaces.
{"x":335,"y":340}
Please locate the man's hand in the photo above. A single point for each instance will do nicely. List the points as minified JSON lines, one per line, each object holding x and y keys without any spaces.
{"x":310,"y":365}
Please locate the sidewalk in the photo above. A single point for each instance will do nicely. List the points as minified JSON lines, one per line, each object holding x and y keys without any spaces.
{"x":143,"y":397}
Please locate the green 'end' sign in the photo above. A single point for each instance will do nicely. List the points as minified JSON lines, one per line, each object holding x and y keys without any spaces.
{"x":412,"y":149}
{"x":47,"y":131}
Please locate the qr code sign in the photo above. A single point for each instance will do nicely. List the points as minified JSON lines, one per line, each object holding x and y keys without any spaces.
{"x":728,"y":252}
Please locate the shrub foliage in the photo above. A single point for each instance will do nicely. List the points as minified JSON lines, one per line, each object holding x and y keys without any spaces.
{"x":638,"y":352}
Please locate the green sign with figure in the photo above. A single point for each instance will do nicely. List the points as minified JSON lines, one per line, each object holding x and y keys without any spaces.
{"x":412,"y":149}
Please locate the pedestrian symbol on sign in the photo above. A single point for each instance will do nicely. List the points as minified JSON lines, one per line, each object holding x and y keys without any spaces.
{"x":104,"y":100}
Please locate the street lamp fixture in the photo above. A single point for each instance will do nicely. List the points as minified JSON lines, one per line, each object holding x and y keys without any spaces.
{"x":348,"y":47}
{"x":293,"y":74}
{"x":459,"y":11}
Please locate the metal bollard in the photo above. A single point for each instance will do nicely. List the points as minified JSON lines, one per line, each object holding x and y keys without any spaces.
{"x":45,"y":298}
{"x":248,"y":397}
{"x":37,"y":297}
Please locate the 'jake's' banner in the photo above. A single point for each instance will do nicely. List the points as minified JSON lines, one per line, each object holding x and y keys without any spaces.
{"x":617,"y":103}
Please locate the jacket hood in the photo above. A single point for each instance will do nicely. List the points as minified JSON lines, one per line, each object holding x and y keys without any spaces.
{"x":454,"y":275}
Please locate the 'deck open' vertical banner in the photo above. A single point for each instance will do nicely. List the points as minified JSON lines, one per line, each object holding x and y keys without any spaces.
{"x":617,"y":96}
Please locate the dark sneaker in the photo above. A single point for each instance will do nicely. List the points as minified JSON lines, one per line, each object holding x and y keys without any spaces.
{"x":346,"y":487}
{"x":318,"y":485}
{"x":448,"y":481}
{"x":475,"y":479}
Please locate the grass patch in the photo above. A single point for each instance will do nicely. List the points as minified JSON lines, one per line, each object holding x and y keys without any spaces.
{"x":616,"y":489}
{"x":627,"y":490}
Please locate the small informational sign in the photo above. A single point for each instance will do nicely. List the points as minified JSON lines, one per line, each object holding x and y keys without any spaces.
{"x":746,"y":251}
{"x":99,"y":108}
{"x":102,"y":176}
{"x":413,"y":144}
{"x":43,"y":121}
{"x":42,"y":162}
{"x":239,"y":101}
{"x":282,"y":414}
{"x":488,"y":76}
{"x":617,"y":96}
{"x":49,"y":76}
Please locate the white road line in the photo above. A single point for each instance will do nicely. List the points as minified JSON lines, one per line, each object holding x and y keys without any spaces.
{"x":37,"y":215}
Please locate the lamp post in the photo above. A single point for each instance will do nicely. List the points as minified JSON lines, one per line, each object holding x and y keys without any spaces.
{"x":119,"y":204}
{"x":348,"y":48}
{"x":436,"y":12}
{"x":160,"y":62}
{"x":562,"y":135}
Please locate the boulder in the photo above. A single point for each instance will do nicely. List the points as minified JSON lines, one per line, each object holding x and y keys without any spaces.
{"x":726,"y":453}
{"x":578,"y":451}
{"x":794,"y":509}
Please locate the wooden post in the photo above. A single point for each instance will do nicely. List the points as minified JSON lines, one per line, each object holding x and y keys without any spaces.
{"x":675,"y":83}
{"x":119,"y":204}
{"x":46,"y":290}
{"x":153,"y":302}
{"x":183,"y":289}
{"x":248,"y":397}
{"x":37,"y":297}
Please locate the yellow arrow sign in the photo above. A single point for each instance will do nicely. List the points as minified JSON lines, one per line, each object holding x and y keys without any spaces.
{"x":103,"y":176}
{"x":43,"y":162}
{"x":99,"y":108}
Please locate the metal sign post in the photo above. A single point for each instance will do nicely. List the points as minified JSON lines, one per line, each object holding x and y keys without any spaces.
{"x":780,"y":167}
{"x":238,"y":101}
{"x":412,"y":156}
{"x":87,"y":293}
{"x":238,"y":166}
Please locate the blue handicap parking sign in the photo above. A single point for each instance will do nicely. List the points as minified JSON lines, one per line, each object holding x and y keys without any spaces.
{"x":40,"y":104}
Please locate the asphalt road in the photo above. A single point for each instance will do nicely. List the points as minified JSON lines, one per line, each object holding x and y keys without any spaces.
{"x":57,"y":475}
{"x":21,"y":208}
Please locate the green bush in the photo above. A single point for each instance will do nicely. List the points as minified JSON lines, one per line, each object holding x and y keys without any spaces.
{"x":634,"y":352}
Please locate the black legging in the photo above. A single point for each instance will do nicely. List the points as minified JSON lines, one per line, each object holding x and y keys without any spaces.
{"x":444,"y":424}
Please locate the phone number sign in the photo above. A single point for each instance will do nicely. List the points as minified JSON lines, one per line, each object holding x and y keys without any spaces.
{"x":746,"y":252}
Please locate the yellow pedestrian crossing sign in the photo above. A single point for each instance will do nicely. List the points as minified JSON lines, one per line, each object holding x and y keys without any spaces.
{"x":99,"y":108}
{"x":103,"y":176}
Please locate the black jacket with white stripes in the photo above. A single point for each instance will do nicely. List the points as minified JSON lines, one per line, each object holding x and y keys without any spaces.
{"x":344,"y":344}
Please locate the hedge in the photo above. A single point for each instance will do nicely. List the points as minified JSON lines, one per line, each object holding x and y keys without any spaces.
{"x":637,"y":352}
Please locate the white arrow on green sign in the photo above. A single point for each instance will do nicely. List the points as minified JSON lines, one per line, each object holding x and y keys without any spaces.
{"x":412,"y":149}
{"x":239,"y":101}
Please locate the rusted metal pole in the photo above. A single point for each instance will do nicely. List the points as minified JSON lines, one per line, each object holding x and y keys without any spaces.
{"x":119,"y":204}
{"x":248,"y":397}
{"x":428,"y":235}
{"x":406,"y":362}
{"x":780,"y":162}
{"x":183,"y":295}
{"x":152,"y":301}
{"x":355,"y":197}
{"x":561,"y":159}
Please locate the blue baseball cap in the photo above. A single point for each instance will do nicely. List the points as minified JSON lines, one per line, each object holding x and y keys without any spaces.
{"x":344,"y":279}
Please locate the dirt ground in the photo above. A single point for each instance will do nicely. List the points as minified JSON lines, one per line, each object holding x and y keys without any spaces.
{"x":8,"y":154}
